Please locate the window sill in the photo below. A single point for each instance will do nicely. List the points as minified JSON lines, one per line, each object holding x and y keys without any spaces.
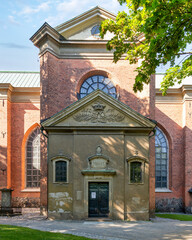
{"x":61,"y":183}
{"x":163,"y":190}
{"x":31,"y":190}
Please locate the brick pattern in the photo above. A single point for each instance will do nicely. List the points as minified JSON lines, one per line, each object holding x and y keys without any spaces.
{"x":23,"y":116}
{"x":170,"y":120}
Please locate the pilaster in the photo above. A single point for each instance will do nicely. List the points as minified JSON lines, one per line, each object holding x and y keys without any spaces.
{"x":5,"y":135}
{"x":187,"y":128}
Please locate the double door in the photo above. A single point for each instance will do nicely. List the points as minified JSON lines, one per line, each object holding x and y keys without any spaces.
{"x":98,"y":199}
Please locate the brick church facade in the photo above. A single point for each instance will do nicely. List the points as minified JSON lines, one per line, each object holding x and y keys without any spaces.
{"x":77,"y":133}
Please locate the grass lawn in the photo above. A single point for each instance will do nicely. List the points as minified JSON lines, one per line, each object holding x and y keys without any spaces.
{"x":181,"y":217}
{"x":8,"y":232}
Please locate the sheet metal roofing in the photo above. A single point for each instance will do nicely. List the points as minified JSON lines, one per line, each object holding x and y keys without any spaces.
{"x":20,"y":79}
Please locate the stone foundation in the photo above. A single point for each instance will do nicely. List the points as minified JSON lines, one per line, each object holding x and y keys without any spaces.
{"x":169,"y":205}
{"x":25,"y":202}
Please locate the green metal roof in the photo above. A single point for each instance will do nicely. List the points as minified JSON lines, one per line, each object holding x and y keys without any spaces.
{"x":20,"y":79}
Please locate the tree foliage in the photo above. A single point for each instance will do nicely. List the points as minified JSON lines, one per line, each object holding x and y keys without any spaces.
{"x":155,"y":31}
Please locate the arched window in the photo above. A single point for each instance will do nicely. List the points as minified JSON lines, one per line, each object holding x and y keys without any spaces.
{"x":161,"y":160}
{"x":97,"y":82}
{"x":33,"y":159}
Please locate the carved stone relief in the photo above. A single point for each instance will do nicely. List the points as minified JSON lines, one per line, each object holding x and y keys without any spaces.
{"x":98,"y":161}
{"x":99,"y":114}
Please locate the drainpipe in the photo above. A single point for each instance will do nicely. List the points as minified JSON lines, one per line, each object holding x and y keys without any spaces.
{"x":42,"y":129}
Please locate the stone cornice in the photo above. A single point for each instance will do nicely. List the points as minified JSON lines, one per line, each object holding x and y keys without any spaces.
{"x":6,"y":86}
{"x":71,"y":55}
{"x":19,"y":94}
{"x":47,"y":39}
{"x":175,"y":95}
{"x":5,"y":91}
{"x":44,"y":31}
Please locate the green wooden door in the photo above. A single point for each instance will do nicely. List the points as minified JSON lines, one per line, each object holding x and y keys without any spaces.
{"x":98,"y":199}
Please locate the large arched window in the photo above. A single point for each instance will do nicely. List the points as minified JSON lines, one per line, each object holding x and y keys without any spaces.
{"x":161,"y":160}
{"x":97,"y":82}
{"x":33,"y":159}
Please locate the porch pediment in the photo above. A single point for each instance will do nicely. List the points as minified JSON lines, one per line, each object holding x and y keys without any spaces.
{"x":98,"y":109}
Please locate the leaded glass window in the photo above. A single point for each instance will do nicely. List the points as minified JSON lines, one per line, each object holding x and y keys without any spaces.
{"x":97,"y":82}
{"x":33,"y":159}
{"x":60,"y":171}
{"x":136,"y":172}
{"x":161,"y":159}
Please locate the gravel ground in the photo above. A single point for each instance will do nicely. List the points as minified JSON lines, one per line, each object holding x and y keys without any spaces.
{"x":157,"y":229}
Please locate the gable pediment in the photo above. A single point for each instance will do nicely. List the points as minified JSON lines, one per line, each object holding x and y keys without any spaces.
{"x":79,"y":28}
{"x":98,"y":110}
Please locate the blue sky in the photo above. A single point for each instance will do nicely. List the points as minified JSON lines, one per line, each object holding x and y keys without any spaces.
{"x":20,"y":19}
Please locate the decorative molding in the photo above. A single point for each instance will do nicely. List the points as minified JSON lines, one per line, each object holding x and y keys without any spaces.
{"x":98,"y":114}
{"x":61,"y":157}
{"x":98,"y":161}
{"x":98,"y":164}
{"x":136,"y":157}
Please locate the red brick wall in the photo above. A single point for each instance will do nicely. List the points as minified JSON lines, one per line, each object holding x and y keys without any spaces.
{"x":60,"y":82}
{"x":23,"y":116}
{"x":169,"y":117}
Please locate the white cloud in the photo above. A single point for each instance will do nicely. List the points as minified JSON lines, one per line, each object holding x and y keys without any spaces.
{"x":12,"y":20}
{"x":30,"y":10}
{"x":67,"y":9}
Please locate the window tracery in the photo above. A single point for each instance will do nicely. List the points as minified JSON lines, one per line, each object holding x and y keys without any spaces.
{"x":161,"y":160}
{"x":33,"y":160}
{"x":97,"y":82}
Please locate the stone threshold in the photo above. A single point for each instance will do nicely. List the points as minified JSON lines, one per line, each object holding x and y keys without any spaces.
{"x":98,"y":219}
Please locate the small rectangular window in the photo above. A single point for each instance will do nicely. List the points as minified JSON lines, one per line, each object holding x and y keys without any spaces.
{"x":61,"y":171}
{"x":136,"y":172}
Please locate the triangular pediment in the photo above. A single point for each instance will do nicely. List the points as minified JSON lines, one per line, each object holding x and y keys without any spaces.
{"x":79,"y":28}
{"x":98,"y":109}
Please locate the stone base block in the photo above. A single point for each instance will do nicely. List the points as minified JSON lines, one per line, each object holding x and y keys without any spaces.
{"x":169,"y":205}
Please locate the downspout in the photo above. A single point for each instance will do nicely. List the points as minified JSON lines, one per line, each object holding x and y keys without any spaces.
{"x":42,"y":129}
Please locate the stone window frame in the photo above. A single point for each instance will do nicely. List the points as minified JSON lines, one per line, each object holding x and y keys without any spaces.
{"x":143,"y":161}
{"x":64,"y":159}
{"x":26,"y":158}
{"x":163,"y":189}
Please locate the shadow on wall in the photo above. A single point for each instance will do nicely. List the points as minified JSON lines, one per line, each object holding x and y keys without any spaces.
{"x":21,"y":112}
{"x":66,"y":75}
{"x":173,"y":201}
{"x":3,"y":167}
